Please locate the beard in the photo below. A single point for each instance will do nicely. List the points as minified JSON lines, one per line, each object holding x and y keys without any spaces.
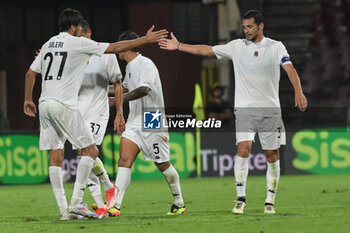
{"x":253,"y":38}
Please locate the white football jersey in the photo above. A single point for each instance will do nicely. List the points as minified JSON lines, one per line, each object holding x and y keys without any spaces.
{"x":141,"y":71}
{"x":257,"y":74}
{"x":62,"y":62}
{"x":93,"y":94}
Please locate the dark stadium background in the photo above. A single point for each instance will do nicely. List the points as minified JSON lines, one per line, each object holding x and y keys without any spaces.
{"x":315,"y":32}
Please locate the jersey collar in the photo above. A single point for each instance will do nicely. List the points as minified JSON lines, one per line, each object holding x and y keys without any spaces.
{"x":135,"y":59}
{"x":64,"y":34}
{"x":258,"y":44}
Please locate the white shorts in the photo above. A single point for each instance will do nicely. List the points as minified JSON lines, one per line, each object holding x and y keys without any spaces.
{"x":155,"y":146}
{"x":59,"y":123}
{"x":97,"y":129}
{"x":271,"y":130}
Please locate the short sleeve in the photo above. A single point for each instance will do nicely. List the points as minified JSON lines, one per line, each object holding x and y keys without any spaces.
{"x":36,"y":65}
{"x":282,"y":54}
{"x":147,"y":76}
{"x":112,"y":68}
{"x":226,"y":50}
{"x":92,"y":47}
{"x":125,"y":83}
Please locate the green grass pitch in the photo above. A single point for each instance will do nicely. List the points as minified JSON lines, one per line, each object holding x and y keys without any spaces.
{"x":304,"y":204}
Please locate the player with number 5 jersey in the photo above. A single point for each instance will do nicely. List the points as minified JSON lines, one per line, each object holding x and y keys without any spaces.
{"x":144,"y":92}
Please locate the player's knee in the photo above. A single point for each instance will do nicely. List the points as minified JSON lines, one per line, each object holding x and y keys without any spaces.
{"x":55,"y":162}
{"x":95,"y":152}
{"x":91,"y":151}
{"x":56,"y":158}
{"x":80,"y":153}
{"x":162,"y":166}
{"x":243,"y":152}
{"x":124,"y":162}
{"x":271,"y":156}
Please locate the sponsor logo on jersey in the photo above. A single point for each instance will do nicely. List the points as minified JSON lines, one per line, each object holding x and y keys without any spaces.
{"x":152,"y":119}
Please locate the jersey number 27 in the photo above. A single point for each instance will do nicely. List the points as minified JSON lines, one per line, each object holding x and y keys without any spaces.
{"x":60,"y":71}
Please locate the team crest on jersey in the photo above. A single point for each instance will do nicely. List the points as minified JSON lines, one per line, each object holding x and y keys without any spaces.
{"x":256,"y":53}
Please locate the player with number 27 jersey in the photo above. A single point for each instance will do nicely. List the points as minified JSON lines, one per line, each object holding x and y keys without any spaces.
{"x":65,"y":56}
{"x":62,"y":62}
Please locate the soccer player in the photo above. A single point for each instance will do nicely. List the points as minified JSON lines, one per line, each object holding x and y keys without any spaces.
{"x":93,"y":105}
{"x":144,"y":90}
{"x":256,"y":60}
{"x":62,"y":62}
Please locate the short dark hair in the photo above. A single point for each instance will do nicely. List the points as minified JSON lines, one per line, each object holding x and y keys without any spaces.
{"x":85,"y":25}
{"x":258,"y":17}
{"x":69,"y":17}
{"x":129,"y":35}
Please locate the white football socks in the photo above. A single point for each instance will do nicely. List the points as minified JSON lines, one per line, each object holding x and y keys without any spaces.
{"x":173,"y":180}
{"x":55,"y":174}
{"x":272,"y":178}
{"x":99,"y":170}
{"x":94,"y":186}
{"x":122,"y":181}
{"x":241,"y":174}
{"x":83,"y":172}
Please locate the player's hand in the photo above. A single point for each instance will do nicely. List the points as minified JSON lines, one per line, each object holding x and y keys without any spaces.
{"x":119,"y":124}
{"x":29,"y":108}
{"x":300,"y":101}
{"x":155,"y":36}
{"x":169,"y":44}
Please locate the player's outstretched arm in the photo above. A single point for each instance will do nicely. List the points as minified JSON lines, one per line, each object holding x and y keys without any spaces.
{"x":300,"y":99}
{"x":136,"y":93}
{"x":29,"y":107}
{"x":150,"y":37}
{"x":174,"y":44}
{"x":119,"y":121}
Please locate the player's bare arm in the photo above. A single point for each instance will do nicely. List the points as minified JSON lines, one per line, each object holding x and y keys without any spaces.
{"x":29,"y":106}
{"x":119,"y":121}
{"x":111,"y":100}
{"x":150,"y":37}
{"x":300,"y":99}
{"x":174,"y":44}
{"x":136,"y":94}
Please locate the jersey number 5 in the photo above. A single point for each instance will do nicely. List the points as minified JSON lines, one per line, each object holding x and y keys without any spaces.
{"x":156,"y":148}
{"x":60,"y":71}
